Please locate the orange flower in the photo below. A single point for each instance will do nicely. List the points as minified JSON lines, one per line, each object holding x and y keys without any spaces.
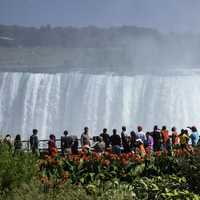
{"x":85,"y":158}
{"x":113,"y":157}
{"x":106,"y":154}
{"x":65,"y":175}
{"x":105,"y":163}
{"x":55,"y":162}
{"x":96,"y":156}
{"x":46,"y":157}
{"x":44,"y":179}
{"x":124,"y":162}
{"x":54,"y":152}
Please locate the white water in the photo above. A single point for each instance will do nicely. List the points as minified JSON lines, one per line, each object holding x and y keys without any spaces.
{"x":54,"y":102}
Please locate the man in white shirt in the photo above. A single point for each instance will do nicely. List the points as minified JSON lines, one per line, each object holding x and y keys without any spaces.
{"x":140,"y":134}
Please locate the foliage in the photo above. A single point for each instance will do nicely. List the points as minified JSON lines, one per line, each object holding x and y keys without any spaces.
{"x":94,"y":176}
{"x":165,"y":187}
{"x":72,"y":192}
{"x":189,"y":167}
{"x":89,"y":166}
{"x":51,"y":172}
{"x":15,"y":169}
{"x":87,"y":37}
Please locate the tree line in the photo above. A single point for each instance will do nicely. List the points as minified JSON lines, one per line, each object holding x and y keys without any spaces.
{"x":71,"y":37}
{"x":140,"y":46}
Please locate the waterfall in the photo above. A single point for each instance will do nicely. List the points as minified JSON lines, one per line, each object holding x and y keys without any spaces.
{"x":55,"y":102}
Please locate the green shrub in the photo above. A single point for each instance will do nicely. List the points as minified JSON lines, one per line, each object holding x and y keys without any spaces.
{"x":162,"y":187}
{"x":15,"y":169}
{"x":96,"y":179}
{"x":190,"y":169}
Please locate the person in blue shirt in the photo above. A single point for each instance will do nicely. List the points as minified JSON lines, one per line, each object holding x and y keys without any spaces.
{"x":194,"y":136}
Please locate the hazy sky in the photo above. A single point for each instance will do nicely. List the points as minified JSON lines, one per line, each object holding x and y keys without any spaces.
{"x":165,"y":15}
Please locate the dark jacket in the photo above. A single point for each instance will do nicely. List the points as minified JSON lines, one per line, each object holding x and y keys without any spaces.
{"x":34,"y":142}
{"x":115,"y":140}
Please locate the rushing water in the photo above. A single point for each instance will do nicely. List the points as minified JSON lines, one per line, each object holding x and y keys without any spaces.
{"x":54,"y":102}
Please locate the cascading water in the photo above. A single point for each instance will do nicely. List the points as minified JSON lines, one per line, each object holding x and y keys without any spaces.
{"x":54,"y":102}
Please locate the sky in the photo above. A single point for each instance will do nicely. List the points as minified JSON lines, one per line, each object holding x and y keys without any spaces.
{"x":164,"y":15}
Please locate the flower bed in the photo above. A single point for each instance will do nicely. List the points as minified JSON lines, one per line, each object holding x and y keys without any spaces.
{"x":89,"y":175}
{"x":87,"y":167}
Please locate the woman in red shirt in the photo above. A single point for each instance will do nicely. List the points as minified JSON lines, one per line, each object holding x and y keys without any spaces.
{"x":52,"y":145}
{"x":175,"y":138}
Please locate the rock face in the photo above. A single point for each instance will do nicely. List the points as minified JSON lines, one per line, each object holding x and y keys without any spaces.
{"x":54,"y":102}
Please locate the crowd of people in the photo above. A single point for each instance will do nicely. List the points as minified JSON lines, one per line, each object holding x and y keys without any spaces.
{"x":139,"y":141}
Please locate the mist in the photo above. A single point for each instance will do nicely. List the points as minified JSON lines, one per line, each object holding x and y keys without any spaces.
{"x":117,"y":36}
{"x":122,"y":50}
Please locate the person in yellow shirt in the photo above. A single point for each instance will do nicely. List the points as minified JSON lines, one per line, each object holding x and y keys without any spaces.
{"x":184,"y":139}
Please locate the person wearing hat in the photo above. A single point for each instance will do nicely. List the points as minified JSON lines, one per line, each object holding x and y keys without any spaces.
{"x":100,"y":146}
{"x":140,"y":147}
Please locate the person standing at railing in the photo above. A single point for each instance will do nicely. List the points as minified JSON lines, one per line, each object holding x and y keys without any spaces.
{"x":34,"y":142}
{"x":149,"y":142}
{"x":7,"y":140}
{"x":157,"y":138}
{"x":132,"y":140}
{"x":140,"y":134}
{"x":184,"y":140}
{"x":115,"y":142}
{"x":100,"y":146}
{"x":17,"y":144}
{"x":140,"y":147}
{"x":125,"y":140}
{"x":194,"y":136}
{"x":166,"y":140}
{"x":175,"y":138}
{"x":85,"y":138}
{"x":74,"y":146}
{"x":106,"y":137}
{"x":66,"y":143}
{"x":52,"y":145}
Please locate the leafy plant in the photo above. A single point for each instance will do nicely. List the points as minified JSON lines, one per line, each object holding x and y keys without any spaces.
{"x":15,"y":169}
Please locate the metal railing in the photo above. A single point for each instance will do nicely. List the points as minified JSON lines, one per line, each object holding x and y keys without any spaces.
{"x":43,"y":144}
